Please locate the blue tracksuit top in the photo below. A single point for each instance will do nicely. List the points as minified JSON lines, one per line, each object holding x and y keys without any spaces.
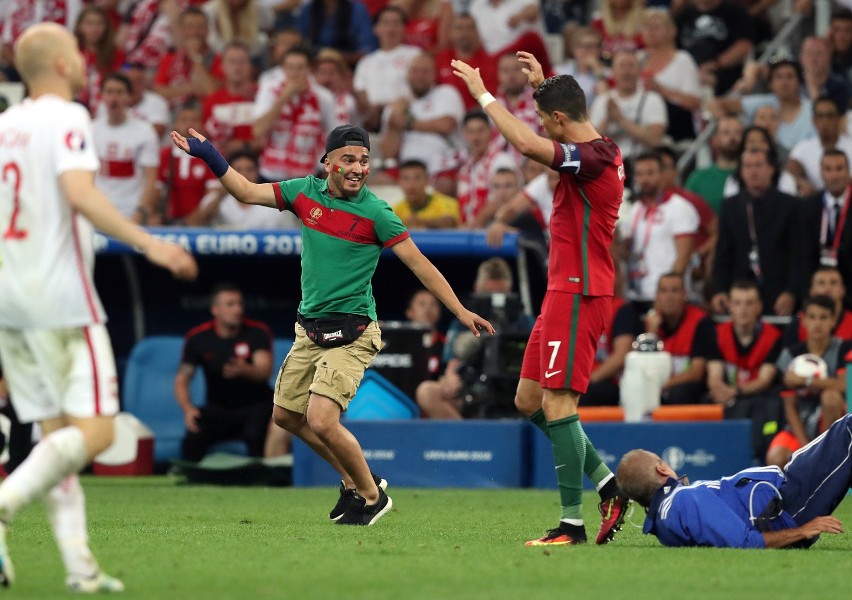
{"x":717,"y":513}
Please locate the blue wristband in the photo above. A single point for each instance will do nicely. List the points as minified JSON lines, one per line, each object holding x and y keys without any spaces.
{"x":208,"y":153}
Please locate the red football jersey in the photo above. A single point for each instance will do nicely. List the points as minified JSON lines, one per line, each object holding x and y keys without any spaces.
{"x":228,"y":117}
{"x":585,"y":209}
{"x":187,"y":179}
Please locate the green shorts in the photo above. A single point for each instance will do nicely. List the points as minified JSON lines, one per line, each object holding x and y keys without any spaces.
{"x":334,"y":373}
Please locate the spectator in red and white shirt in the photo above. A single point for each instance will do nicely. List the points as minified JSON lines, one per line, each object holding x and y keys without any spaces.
{"x":144,"y":104}
{"x":182,"y":179}
{"x":506,"y":26}
{"x":514,"y":93}
{"x":332,"y":73}
{"x":227,"y":112}
{"x":149,"y":34}
{"x":293,"y":116}
{"x":129,"y":154}
{"x":96,"y":40}
{"x":20,"y":14}
{"x":466,"y":46}
{"x":221,"y":209}
{"x":192,"y":69}
{"x":480,"y":161}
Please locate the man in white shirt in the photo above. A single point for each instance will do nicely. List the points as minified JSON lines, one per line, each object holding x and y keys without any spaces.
{"x":536,"y":197}
{"x":633,"y":117}
{"x":129,"y":153}
{"x":425,"y":127}
{"x":501,"y":22}
{"x":54,"y":346}
{"x":658,"y":231}
{"x":381,"y":76}
{"x":806,"y":156}
{"x":144,"y":104}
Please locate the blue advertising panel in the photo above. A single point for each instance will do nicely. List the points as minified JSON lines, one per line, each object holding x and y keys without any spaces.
{"x":220,"y":242}
{"x":697,"y":450}
{"x":465,"y":454}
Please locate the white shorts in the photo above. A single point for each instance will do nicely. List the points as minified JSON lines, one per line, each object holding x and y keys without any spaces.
{"x":56,"y":372}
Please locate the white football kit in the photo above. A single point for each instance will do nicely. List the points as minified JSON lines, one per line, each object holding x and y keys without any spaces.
{"x":54,"y":348}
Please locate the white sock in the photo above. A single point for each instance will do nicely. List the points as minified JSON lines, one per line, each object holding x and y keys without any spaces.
{"x":58,"y":455}
{"x":604,"y":481}
{"x":66,"y":507}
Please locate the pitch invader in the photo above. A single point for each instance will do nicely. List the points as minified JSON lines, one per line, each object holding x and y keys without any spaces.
{"x":580,"y":285}
{"x":54,"y":346}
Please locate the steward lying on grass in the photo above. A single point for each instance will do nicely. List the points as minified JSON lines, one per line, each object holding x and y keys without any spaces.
{"x":763,"y":507}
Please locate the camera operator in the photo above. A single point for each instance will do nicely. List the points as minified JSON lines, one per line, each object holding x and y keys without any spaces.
{"x":468,"y":356}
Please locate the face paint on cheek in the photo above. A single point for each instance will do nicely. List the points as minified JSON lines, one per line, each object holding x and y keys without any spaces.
{"x":338,"y":169}
{"x":366,"y":171}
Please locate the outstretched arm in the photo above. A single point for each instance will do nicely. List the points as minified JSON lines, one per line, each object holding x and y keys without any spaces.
{"x":524,"y":139}
{"x":808,"y":531}
{"x":238,"y":186}
{"x":79,"y":190}
{"x":410,"y":254}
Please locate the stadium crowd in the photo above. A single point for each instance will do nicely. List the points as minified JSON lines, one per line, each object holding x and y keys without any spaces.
{"x":755,"y":237}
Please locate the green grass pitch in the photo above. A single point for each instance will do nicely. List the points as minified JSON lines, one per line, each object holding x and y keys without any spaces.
{"x":173,"y":541}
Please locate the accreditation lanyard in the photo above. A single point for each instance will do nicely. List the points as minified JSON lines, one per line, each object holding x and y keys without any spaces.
{"x":838,"y":227}
{"x":754,"y":252}
{"x":648,"y":217}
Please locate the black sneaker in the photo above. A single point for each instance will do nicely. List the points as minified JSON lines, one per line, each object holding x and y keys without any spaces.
{"x":360,"y":513}
{"x":346,"y":495}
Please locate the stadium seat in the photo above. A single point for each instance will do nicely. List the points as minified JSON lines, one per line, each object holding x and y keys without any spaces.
{"x":689,"y":412}
{"x":379,"y":399}
{"x":600,"y":414}
{"x":148,"y":392}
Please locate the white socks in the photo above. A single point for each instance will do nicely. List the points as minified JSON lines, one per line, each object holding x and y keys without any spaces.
{"x":66,"y":507}
{"x":58,"y":455}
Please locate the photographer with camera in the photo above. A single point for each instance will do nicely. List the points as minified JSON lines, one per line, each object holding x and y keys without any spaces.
{"x":464,"y":384}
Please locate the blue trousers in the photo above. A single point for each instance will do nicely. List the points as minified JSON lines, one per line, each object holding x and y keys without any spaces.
{"x":820,"y":474}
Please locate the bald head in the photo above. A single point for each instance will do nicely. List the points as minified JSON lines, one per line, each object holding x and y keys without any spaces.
{"x":638,"y":475}
{"x":48,"y":53}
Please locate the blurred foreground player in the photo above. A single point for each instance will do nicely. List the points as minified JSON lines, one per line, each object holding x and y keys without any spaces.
{"x":54,"y":347}
{"x":580,"y":284}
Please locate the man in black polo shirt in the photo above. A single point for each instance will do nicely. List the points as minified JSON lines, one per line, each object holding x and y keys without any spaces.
{"x":235,"y":354}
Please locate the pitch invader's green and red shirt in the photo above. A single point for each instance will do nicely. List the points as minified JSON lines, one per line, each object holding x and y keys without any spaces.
{"x":342,"y":239}
{"x":585,"y":209}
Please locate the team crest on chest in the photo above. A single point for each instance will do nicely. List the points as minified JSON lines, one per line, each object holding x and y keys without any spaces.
{"x":314,"y":215}
{"x":242,"y":350}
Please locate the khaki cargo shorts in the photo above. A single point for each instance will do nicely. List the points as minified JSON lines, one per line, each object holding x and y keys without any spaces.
{"x":334,"y":373}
